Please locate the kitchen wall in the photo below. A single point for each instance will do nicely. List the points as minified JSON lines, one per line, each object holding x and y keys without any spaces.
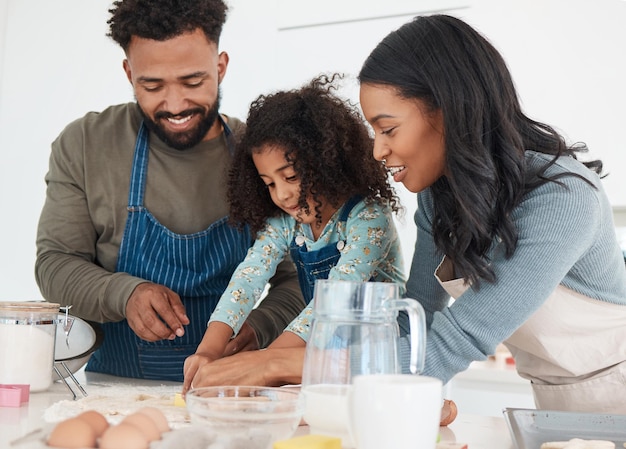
{"x":567,"y":57}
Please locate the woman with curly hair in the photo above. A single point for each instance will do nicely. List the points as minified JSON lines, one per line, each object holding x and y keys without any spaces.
{"x":304,"y":181}
{"x":509,"y":222}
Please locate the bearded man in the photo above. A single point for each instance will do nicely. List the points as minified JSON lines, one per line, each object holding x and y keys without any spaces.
{"x":134,"y":232}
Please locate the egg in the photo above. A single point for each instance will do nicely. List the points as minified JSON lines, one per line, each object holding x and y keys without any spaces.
{"x":72,"y":433}
{"x":157,"y":416}
{"x":123,"y":436}
{"x":144,"y":423}
{"x":96,"y":420}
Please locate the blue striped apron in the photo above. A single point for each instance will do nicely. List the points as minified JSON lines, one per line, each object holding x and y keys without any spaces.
{"x":197,"y":266}
{"x":313,"y":265}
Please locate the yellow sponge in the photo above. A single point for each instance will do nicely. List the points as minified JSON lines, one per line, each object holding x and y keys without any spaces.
{"x":309,"y":442}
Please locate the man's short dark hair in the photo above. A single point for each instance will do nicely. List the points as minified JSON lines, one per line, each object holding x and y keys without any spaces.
{"x":164,"y":19}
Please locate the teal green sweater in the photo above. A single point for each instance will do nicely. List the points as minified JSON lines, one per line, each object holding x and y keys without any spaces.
{"x":566,"y":236}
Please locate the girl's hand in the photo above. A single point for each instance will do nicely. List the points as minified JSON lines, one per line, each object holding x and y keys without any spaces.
{"x":211,"y":348}
{"x":192,"y":364}
{"x":245,"y":340}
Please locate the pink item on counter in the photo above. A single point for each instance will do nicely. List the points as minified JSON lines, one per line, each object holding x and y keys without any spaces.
{"x":14,"y":395}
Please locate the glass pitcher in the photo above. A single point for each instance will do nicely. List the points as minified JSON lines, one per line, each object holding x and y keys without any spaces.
{"x":354,"y":331}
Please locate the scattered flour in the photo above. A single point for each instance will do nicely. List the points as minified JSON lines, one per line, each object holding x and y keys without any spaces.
{"x":116,"y":401}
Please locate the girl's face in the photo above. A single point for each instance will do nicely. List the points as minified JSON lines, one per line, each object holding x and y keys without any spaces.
{"x":408,"y":139}
{"x":283,"y":184}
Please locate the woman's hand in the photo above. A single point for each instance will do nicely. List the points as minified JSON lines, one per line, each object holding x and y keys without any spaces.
{"x":269,"y":367}
{"x":448,"y":412}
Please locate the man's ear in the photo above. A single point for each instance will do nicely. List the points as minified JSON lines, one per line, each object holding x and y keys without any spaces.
{"x":129,"y":73}
{"x":222,"y":65}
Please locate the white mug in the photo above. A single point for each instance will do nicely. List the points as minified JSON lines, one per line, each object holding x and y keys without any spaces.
{"x":395,"y":411}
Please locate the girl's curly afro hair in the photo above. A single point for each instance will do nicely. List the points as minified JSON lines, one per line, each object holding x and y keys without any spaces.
{"x":164,"y":19}
{"x":325,"y":139}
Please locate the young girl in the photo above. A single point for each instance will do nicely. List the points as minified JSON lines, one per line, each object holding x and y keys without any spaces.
{"x":304,"y":180}
{"x":509,"y":222}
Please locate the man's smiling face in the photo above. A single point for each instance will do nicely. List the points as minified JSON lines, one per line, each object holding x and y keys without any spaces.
{"x":176,"y":84}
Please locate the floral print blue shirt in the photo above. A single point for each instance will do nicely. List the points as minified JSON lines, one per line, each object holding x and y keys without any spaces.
{"x":372,"y":252}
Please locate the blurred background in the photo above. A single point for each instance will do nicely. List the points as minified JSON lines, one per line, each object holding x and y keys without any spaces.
{"x":568,"y":58}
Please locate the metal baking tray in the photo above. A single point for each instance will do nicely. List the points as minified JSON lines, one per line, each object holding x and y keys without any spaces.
{"x":530,"y":428}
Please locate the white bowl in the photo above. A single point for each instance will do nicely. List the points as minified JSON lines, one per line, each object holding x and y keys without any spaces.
{"x":261,"y":415}
{"x":74,"y":350}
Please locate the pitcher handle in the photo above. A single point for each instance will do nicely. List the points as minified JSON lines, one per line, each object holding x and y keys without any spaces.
{"x":417,"y":329}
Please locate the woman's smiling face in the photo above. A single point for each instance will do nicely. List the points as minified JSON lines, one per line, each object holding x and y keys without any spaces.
{"x":408,"y":138}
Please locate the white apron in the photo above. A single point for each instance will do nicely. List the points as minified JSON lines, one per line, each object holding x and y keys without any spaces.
{"x":582,"y":370}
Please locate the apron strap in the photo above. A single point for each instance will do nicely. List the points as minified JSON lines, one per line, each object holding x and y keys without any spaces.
{"x":140,"y":167}
{"x":228,"y":135}
{"x":345,"y":211}
{"x":347,"y":208}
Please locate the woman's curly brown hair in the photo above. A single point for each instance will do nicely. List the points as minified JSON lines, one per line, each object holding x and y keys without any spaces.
{"x":326,"y":140}
{"x":160,"y":20}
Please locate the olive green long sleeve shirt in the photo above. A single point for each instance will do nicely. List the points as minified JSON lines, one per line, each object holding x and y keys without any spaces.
{"x":83,"y":219}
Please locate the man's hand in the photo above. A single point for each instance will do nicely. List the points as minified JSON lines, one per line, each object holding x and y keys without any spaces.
{"x":246,"y":340}
{"x":154,"y":312}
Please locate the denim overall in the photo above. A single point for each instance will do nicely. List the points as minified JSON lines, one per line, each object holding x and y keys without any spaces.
{"x":313,"y":265}
{"x":197,"y":266}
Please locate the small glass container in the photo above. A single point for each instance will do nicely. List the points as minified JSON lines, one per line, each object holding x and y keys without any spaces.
{"x":27,"y":340}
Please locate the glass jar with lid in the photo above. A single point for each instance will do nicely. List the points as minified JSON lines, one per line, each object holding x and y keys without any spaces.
{"x":27,"y":340}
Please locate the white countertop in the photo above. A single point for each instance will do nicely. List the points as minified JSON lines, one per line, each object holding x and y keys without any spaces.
{"x":479,"y":432}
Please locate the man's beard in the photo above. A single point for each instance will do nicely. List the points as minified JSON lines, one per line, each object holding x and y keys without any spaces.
{"x":184,"y":140}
